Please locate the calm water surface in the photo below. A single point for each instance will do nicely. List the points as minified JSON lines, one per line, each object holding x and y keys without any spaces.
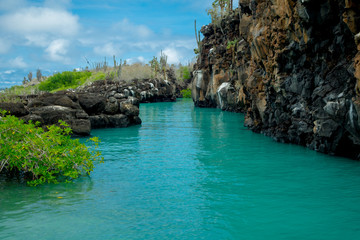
{"x":192,"y":174}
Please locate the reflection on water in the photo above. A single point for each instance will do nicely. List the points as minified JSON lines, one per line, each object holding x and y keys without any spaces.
{"x":191,"y":174}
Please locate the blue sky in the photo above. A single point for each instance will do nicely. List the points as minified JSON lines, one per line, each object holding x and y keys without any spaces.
{"x":57,"y":35}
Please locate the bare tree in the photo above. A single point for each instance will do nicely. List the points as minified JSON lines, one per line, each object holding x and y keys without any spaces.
{"x":163,"y":63}
{"x":30,"y":76}
{"x":38,"y":75}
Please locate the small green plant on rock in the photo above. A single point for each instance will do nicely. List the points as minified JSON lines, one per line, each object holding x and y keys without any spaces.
{"x":43,"y":156}
{"x":186,"y":93}
{"x":232,"y":44}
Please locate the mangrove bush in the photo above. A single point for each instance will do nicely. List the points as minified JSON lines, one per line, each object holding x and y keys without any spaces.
{"x":42,"y":156}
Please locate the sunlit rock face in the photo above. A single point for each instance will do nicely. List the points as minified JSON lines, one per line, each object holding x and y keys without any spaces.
{"x":292,"y":66}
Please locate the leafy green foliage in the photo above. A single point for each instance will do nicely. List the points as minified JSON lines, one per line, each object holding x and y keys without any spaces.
{"x":184,"y":73}
{"x":44,"y":156}
{"x":64,"y":80}
{"x":98,"y":76}
{"x":186,"y":93}
{"x":232,"y":44}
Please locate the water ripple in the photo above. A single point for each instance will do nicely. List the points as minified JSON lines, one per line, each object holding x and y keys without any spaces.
{"x":191,"y":173}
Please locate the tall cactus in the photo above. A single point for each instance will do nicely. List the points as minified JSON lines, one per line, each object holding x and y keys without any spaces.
{"x":119,"y":70}
{"x":114,"y":62}
{"x":198,"y":40}
{"x":163,"y":63}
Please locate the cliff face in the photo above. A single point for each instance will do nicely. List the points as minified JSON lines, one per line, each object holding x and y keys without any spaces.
{"x":102,"y":104}
{"x":292,"y":66}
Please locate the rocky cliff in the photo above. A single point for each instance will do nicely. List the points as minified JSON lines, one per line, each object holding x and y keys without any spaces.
{"x":103,"y":104}
{"x":293,"y":68}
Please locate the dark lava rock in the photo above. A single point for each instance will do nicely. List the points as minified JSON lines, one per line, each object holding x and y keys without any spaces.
{"x":293,"y":68}
{"x":16,"y":109}
{"x":93,"y":104}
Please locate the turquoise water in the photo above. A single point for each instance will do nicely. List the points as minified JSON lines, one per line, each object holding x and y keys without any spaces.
{"x":192,"y":174}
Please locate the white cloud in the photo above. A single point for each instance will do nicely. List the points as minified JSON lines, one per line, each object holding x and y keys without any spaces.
{"x":107,"y":49}
{"x":39,"y":40}
{"x":127,"y":29}
{"x":9,"y":71}
{"x":18,"y":62}
{"x":41,"y":20}
{"x":173,"y":55}
{"x":8,"y":5}
{"x":8,"y":82}
{"x":139,"y":59}
{"x":4,"y":46}
{"x":57,"y":50}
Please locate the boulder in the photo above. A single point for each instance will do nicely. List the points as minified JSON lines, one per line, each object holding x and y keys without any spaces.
{"x":92,"y":103}
{"x":49,"y":115}
{"x":129,"y":109}
{"x":16,"y":109}
{"x":58,"y":99}
{"x":109,"y":121}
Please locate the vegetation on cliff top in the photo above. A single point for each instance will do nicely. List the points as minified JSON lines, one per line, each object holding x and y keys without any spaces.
{"x":65,"y":80}
{"x":219,"y":9}
{"x":121,"y":71}
{"x":43,"y":156}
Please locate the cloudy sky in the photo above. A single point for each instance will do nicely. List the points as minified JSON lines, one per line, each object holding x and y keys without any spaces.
{"x":58,"y":35}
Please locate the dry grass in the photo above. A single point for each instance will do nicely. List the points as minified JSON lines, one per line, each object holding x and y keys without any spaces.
{"x":128,"y":73}
{"x":135,"y":71}
{"x":20,"y":90}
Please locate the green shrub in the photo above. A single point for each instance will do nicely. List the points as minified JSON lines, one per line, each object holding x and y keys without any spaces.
{"x":185,"y":73}
{"x":186,"y":93}
{"x":99,"y":76}
{"x":8,"y":98}
{"x":232,"y":44}
{"x":43,"y":156}
{"x":64,"y":80}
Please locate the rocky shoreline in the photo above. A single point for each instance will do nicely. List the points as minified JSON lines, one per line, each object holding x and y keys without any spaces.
{"x":102,"y":104}
{"x":291,"y":66}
